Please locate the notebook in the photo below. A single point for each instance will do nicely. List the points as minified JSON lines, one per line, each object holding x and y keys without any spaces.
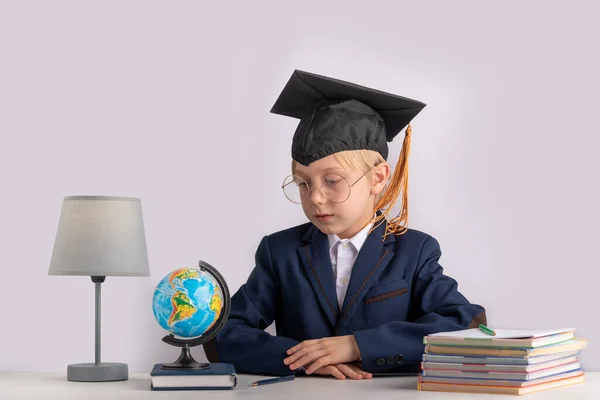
{"x":475,"y":333}
{"x":570,"y":345}
{"x":218,"y":376}
{"x":516,"y":376}
{"x":498,"y":367}
{"x":498,"y":382}
{"x":444,"y":387}
{"x":526,"y":360}
{"x":510,"y":338}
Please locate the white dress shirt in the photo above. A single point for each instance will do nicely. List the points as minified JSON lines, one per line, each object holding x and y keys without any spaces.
{"x":343,"y":253}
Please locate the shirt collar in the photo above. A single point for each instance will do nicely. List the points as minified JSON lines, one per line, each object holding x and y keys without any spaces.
{"x":357,"y":240}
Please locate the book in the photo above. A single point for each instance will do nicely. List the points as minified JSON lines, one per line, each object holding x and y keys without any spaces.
{"x":481,"y":339}
{"x":475,"y":333}
{"x":517,"y":376}
{"x":444,"y":387}
{"x":570,"y":345}
{"x":525,"y":360}
{"x":498,"y":367}
{"x":499,"y":382}
{"x":217,"y":376}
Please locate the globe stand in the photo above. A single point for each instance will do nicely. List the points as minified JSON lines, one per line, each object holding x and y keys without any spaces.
{"x":186,"y":361}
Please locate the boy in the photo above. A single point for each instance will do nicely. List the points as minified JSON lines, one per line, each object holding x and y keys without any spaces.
{"x":351,"y":292}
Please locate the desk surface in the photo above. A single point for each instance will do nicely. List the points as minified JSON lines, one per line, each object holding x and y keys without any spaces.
{"x":56,"y":386}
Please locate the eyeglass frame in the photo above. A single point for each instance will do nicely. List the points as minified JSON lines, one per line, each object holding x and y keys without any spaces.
{"x":321,"y":189}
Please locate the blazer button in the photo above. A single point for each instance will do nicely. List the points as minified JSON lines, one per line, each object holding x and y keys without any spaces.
{"x":399,"y":359}
{"x":390,"y":360}
{"x":380,"y":361}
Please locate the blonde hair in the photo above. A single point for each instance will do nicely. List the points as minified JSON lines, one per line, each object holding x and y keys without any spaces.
{"x":396,"y":187}
{"x":362,"y":160}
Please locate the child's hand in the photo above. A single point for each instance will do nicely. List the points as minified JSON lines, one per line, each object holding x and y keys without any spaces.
{"x":341,"y":371}
{"x":322,"y":352}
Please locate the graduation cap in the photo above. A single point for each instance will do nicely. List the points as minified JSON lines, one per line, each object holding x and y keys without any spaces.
{"x":336,"y":115}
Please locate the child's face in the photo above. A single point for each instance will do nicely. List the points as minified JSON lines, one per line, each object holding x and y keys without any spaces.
{"x":347,"y":218}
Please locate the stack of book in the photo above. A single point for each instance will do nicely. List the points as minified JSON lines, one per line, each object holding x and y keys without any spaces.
{"x":503,"y":361}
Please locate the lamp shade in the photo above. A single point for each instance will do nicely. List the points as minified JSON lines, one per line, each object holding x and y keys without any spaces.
{"x":100,"y":236}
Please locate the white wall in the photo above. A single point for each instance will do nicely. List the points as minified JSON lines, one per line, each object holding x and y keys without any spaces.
{"x":170,"y":102}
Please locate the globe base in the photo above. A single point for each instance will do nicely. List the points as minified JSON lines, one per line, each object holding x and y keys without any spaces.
{"x":186,"y":361}
{"x":101,"y":372}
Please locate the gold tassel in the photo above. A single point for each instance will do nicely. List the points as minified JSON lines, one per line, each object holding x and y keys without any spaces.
{"x":398,"y":186}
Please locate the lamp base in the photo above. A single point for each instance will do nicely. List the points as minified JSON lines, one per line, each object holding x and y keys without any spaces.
{"x":102,"y":372}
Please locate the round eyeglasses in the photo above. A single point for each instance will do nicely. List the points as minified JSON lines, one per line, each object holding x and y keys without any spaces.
{"x":334,"y":187}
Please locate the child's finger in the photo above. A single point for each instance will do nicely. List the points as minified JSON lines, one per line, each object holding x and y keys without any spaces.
{"x":364,"y":374}
{"x":349,"y":371}
{"x":335,"y":372}
{"x":308,"y":358}
{"x":301,"y":352}
{"x":321,"y":362}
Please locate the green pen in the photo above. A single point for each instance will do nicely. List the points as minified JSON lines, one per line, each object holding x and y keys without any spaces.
{"x":487,"y":330}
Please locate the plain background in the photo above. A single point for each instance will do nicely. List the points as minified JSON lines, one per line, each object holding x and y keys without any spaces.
{"x":169,"y":102}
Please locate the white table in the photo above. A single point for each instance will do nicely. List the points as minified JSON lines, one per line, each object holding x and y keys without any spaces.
{"x":56,"y":386}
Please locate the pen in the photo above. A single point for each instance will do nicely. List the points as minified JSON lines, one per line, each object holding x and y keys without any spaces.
{"x":274,"y":380}
{"x":487,"y":330}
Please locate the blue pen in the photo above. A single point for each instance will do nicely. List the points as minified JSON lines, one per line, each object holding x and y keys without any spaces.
{"x":274,"y":380}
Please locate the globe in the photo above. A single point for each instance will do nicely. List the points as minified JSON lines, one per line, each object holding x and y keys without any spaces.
{"x":192,"y":304}
{"x":188,"y":302}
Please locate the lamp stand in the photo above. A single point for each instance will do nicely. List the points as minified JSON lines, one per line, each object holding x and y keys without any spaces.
{"x":97,"y":371}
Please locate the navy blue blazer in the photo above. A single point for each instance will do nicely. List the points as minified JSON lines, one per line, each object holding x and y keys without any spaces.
{"x":397,"y":294}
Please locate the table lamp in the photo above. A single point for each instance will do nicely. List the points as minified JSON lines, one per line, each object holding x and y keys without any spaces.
{"x":99,"y":236}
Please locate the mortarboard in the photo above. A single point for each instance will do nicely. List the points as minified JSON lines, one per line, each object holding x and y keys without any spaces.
{"x":336,"y":115}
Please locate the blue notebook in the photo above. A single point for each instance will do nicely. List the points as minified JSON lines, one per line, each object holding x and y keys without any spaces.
{"x":218,"y":376}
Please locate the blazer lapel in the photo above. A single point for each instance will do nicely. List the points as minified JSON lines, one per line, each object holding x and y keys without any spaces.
{"x":317,"y":264}
{"x":373,"y":258}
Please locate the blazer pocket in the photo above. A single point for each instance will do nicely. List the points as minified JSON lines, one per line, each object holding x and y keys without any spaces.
{"x":386,"y":291}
